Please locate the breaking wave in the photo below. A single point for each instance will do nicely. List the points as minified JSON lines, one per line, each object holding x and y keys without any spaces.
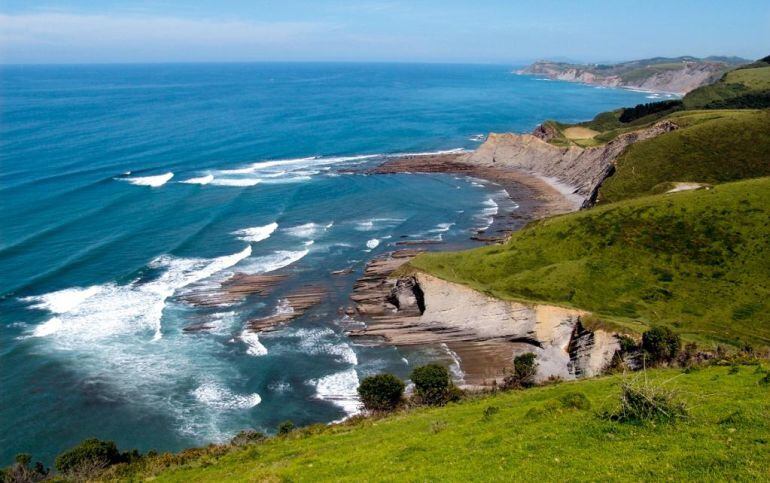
{"x":152,"y":181}
{"x":257,"y":233}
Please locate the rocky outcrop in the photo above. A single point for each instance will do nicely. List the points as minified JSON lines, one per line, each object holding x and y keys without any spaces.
{"x":485,"y":332}
{"x":578,"y":171}
{"x":664,"y":75}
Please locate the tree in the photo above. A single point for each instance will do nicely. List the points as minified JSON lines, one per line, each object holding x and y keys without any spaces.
{"x":382,"y":392}
{"x":523,"y":374}
{"x":432,"y":384}
{"x":660,"y":344}
{"x":90,"y":454}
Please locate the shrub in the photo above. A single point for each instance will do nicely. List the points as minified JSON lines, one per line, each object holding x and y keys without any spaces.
{"x":575,"y":400}
{"x":21,"y":471}
{"x":640,"y":110}
{"x":89,"y":456}
{"x":627,"y":344}
{"x":286,"y":427}
{"x":382,"y":392}
{"x":660,"y":344}
{"x":523,"y":374}
{"x":247,"y":436}
{"x":432,"y":384}
{"x":647,"y":402}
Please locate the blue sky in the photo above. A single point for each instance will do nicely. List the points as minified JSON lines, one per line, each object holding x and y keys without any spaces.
{"x":488,"y":31}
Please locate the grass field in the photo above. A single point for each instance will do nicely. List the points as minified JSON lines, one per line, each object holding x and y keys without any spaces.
{"x":523,"y":435}
{"x":696,"y":261}
{"x":712,"y":147}
{"x":758,"y":79}
{"x":734,"y":88}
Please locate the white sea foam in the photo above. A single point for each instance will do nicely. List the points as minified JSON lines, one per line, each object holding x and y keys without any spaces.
{"x":256,"y":233}
{"x":321,"y":341}
{"x":477,"y":138}
{"x":372,"y":244}
{"x":488,"y":213}
{"x":272,"y":262}
{"x":377,"y":223}
{"x":441,"y":228}
{"x":308,"y":230}
{"x":341,"y":389}
{"x":202,"y":180}
{"x":101,"y":311}
{"x":152,"y":181}
{"x":454,"y":368}
{"x":219,"y":397}
{"x":254,"y":346}
{"x":429,"y":153}
{"x":237,"y":182}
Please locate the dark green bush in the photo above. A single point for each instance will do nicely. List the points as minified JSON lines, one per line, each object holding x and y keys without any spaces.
{"x":660,"y":344}
{"x":90,"y":455}
{"x":640,"y":110}
{"x":382,"y":392}
{"x":523,"y":374}
{"x":432,"y":384}
{"x":286,"y":427}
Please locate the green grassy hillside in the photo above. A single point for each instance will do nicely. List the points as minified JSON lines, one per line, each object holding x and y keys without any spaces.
{"x":520,"y":435}
{"x":745,"y":87}
{"x":711,"y":147}
{"x":697,"y":261}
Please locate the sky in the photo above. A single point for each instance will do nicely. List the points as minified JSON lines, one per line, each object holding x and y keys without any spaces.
{"x":481,"y":31}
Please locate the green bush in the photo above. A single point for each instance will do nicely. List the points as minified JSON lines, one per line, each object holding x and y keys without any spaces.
{"x":286,"y":427}
{"x":90,"y":455}
{"x":21,"y":471}
{"x":432,"y":384}
{"x":660,"y":344}
{"x":523,"y":374}
{"x":382,"y":392}
{"x":640,"y":403}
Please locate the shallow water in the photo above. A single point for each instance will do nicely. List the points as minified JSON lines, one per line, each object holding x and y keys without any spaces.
{"x":123,"y":188}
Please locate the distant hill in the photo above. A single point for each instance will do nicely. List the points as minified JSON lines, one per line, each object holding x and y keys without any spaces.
{"x":677,"y":75}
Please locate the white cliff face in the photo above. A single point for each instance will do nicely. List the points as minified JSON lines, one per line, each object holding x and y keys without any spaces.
{"x":689,"y":76}
{"x":578,"y":172}
{"x":474,"y":325}
{"x":548,"y":331}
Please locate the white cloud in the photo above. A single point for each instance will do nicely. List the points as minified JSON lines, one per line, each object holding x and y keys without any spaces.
{"x":66,"y":37}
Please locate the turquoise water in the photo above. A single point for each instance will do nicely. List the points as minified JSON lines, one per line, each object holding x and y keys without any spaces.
{"x":126,"y":188}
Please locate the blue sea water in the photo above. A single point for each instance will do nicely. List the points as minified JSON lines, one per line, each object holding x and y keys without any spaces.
{"x":125,"y":190}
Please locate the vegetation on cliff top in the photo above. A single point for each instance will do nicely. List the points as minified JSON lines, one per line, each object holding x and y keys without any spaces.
{"x":710,"y":147}
{"x":552,"y":432}
{"x":696,"y":261}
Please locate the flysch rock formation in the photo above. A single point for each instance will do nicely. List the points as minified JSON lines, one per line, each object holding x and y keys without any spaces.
{"x":577,"y":172}
{"x":485,"y":333}
{"x":689,"y":76}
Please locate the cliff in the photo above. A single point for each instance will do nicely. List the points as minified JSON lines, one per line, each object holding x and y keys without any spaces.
{"x":676,"y":75}
{"x":578,"y":171}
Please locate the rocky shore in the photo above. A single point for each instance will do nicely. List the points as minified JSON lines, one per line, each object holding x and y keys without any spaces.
{"x":408,"y":308}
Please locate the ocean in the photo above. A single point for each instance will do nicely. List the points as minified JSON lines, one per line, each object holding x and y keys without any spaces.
{"x":127,"y":189}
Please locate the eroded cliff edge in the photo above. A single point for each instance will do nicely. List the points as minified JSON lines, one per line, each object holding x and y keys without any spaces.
{"x":484,"y":332}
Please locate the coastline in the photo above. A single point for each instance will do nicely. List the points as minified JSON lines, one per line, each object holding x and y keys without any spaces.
{"x":482,"y":355}
{"x":540,"y":196}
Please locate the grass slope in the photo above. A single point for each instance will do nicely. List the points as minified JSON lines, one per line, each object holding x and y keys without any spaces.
{"x":711,"y":147}
{"x":531,"y":436}
{"x":747,"y":86}
{"x":697,"y":261}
